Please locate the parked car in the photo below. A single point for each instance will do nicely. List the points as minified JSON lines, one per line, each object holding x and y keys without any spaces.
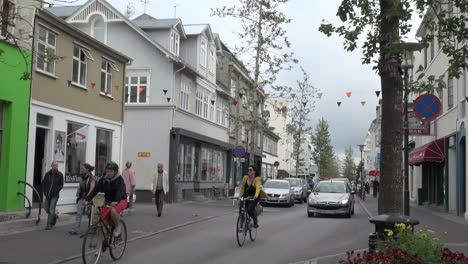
{"x":331,"y":197}
{"x":300,"y":189}
{"x":279,"y":192}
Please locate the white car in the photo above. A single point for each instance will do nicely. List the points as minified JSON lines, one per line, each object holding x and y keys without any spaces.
{"x":279,"y":192}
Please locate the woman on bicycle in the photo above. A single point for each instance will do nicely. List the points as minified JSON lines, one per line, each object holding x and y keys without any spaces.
{"x":113,"y":187}
{"x":84,"y":188}
{"x":252,"y":187}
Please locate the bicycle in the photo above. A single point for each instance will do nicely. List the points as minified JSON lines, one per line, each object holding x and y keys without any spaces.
{"x":245,"y":223}
{"x":99,"y":237}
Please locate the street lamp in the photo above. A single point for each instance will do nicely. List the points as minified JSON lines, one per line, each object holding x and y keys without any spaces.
{"x":407,"y":64}
{"x":361,"y":148}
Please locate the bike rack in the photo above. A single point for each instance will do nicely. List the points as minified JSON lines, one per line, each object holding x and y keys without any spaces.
{"x":29,"y":202}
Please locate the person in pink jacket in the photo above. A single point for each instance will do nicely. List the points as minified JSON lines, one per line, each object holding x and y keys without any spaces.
{"x":130,"y":182}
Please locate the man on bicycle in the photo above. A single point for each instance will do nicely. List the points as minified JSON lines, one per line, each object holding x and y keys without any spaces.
{"x":113,"y":187}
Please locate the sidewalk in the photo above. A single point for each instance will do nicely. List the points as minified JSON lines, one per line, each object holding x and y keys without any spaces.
{"x":41,"y":246}
{"x":456,"y":238}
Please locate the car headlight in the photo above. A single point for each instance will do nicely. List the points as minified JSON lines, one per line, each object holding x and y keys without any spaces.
{"x":312,"y":200}
{"x":345,"y":201}
{"x":298,"y":192}
{"x":284,"y":195}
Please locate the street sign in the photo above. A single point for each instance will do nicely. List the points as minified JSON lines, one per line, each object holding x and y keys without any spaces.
{"x":417,"y":126}
{"x":239,"y":152}
{"x":427,"y":107}
{"x":144,"y":154}
{"x":276,"y":164}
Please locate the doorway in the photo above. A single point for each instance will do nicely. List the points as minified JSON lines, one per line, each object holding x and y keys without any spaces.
{"x":39,"y":161}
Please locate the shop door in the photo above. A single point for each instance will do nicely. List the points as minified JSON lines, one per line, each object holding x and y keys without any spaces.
{"x":39,"y":161}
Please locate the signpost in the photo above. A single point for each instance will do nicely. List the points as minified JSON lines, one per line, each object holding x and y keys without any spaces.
{"x":427,"y":107}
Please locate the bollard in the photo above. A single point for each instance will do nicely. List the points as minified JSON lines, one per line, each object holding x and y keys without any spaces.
{"x":387,"y":222}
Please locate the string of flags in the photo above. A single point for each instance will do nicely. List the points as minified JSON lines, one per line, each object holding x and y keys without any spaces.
{"x":349,"y":94}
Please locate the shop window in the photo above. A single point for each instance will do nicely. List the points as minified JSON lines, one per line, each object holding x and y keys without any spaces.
{"x":77,"y":137}
{"x":103,"y":150}
{"x":186,"y":162}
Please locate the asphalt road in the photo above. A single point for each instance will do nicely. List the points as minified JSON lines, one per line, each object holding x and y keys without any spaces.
{"x":286,"y":235}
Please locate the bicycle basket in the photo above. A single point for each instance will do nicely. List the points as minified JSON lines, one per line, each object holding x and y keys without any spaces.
{"x":258,"y":209}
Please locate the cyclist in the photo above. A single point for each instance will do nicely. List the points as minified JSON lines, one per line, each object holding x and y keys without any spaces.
{"x":113,"y":187}
{"x":251,"y":186}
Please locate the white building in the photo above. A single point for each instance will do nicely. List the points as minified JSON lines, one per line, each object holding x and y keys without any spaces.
{"x":371,"y":154}
{"x":270,"y":155}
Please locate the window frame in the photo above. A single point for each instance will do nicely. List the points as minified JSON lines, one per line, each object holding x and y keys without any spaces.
{"x":203,"y":52}
{"x":174,"y":42}
{"x":92,"y":30}
{"x":199,"y":103}
{"x":206,"y":105}
{"x":87,"y":56}
{"x":47,"y":48}
{"x":184,"y":95}
{"x":450,"y":92}
{"x":107,"y":73}
{"x":138,"y":74}
{"x":12,"y":11}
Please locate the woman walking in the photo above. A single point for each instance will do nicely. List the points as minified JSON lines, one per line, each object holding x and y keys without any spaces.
{"x":87,"y":183}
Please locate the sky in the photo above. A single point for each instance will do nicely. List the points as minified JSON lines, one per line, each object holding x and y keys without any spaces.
{"x":332,"y":70}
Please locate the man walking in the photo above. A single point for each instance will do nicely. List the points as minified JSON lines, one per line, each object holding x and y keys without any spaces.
{"x":129,"y":178}
{"x":160,"y":187}
{"x":51,"y":186}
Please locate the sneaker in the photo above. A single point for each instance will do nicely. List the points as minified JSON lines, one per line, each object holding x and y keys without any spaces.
{"x":72,"y":232}
{"x":256,"y":225}
{"x":48,"y":227}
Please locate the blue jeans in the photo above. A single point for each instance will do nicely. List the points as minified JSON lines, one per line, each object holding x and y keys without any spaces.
{"x":49,"y":207}
{"x":79,"y":214}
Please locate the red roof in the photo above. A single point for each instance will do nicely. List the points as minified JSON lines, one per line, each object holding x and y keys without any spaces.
{"x":430,"y":152}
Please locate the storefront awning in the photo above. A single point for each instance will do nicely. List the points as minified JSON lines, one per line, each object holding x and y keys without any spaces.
{"x":374,"y":173}
{"x":430,"y":152}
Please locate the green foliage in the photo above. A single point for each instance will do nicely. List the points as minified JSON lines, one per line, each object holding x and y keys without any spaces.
{"x":323,"y":154}
{"x":349,"y":167}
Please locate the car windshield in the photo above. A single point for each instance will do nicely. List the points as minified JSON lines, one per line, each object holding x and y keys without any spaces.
{"x":331,"y":187}
{"x":276,"y":185}
{"x":295,"y":182}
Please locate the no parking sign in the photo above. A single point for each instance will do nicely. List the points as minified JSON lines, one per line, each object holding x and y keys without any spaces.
{"x":427,"y":107}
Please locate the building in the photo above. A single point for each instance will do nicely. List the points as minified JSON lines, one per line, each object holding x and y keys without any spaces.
{"x":306,"y":168}
{"x":279,"y":116}
{"x":14,"y":109}
{"x":77,"y":108}
{"x":270,"y":162}
{"x":371,"y":154}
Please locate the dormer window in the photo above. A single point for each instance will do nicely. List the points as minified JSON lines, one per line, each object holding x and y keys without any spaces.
{"x":174,"y":44}
{"x":203,"y":53}
{"x":98,"y":29}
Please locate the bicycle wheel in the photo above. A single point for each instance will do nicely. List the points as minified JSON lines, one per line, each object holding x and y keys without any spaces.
{"x":118,"y":245}
{"x":91,"y":249}
{"x":240,"y":229}
{"x":252,"y":231}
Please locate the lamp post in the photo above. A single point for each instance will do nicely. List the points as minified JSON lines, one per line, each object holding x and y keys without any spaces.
{"x":363,"y":190}
{"x":406,"y":65}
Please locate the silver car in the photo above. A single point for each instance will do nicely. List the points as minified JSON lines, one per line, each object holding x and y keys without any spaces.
{"x":279,"y":192}
{"x":300,"y":189}
{"x":331,"y":197}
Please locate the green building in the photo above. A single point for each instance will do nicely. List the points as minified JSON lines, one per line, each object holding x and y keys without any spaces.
{"x":14,"y":120}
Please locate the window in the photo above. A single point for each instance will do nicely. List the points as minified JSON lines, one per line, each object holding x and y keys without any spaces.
{"x":450,"y":92}
{"x":46,"y":44}
{"x":203,"y":52}
{"x":103,"y":150}
{"x":106,"y":76}
{"x":233,"y":89}
{"x":136,"y":88}
{"x":199,"y":103}
{"x":259,"y":139}
{"x":184,"y":95}
{"x":213,"y":165}
{"x":432,"y":47}
{"x":76,"y":150}
{"x":212,"y":107}
{"x":243,"y":133}
{"x":212,"y":60}
{"x":206,"y":99}
{"x":226,"y":116}
{"x":80,"y":56}
{"x":98,"y":30}
{"x":244,"y":98}
{"x":218,"y":112}
{"x":174,"y":43}
{"x":7,"y":11}
{"x":425,"y":58}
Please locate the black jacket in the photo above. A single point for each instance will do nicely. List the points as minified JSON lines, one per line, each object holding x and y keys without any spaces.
{"x":52,"y":184}
{"x":113,"y":189}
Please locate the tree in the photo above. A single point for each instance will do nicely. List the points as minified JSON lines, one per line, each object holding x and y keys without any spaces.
{"x":349,"y":167}
{"x":382,"y":24}
{"x":263,"y":40}
{"x":323,"y":154}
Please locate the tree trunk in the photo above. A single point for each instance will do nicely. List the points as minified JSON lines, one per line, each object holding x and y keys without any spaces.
{"x":391,"y":185}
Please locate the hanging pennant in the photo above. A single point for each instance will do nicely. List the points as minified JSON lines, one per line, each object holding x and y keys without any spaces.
{"x":363,"y":103}
{"x":168,"y":99}
{"x":258,"y":103}
{"x":304,"y":104}
{"x":69,"y":82}
{"x":338,"y":103}
{"x":212,"y":102}
{"x":93,"y":85}
{"x":293,"y":96}
{"x":348,"y":94}
{"x":235,"y":103}
{"x":141,"y":89}
{"x":165,"y":91}
{"x":241,"y":95}
{"x":116,"y":87}
{"x":320,"y":95}
{"x":190,"y":100}
{"x":377,"y":93}
{"x":266,"y":95}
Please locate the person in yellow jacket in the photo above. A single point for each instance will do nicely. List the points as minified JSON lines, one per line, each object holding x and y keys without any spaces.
{"x":251,"y":186}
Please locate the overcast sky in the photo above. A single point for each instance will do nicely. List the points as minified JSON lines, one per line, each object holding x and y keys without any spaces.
{"x":331,"y":69}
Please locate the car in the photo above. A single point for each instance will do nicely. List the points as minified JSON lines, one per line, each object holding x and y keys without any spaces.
{"x":279,"y":192}
{"x":300,"y":189}
{"x":331,"y":197}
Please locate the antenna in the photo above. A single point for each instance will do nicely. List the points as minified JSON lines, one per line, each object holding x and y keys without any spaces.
{"x":175,"y":9}
{"x":130,"y":10}
{"x":145,"y":2}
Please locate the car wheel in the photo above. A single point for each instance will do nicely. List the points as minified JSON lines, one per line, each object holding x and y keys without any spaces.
{"x":300,"y":201}
{"x":309,"y":214}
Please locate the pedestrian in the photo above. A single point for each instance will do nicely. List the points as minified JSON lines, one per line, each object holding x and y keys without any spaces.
{"x":375,"y":187}
{"x":160,"y":187}
{"x":130,"y":183}
{"x":87,"y":183}
{"x":51,"y":186}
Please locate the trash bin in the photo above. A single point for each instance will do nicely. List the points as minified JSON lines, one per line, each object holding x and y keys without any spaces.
{"x":387,"y":222}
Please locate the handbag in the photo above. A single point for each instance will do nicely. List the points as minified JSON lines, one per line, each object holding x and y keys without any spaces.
{"x":258,"y":209}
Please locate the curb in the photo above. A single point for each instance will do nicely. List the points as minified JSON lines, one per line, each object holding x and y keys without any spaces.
{"x":151,"y":234}
{"x":365,"y":208}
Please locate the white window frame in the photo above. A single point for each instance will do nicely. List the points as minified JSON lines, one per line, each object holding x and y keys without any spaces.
{"x":219,"y":111}
{"x":450,"y":99}
{"x":95,"y":19}
{"x":49,"y":50}
{"x":245,"y":99}
{"x":203,"y":51}
{"x":184,"y":94}
{"x":199,"y":103}
{"x":211,"y":114}
{"x":206,"y":105}
{"x":107,"y":73}
{"x":212,"y":59}
{"x":137,"y":74}
{"x":233,"y":88}
{"x":87,"y":56}
{"x":12,"y":12}
{"x":174,"y":44}
{"x":243,"y":134}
